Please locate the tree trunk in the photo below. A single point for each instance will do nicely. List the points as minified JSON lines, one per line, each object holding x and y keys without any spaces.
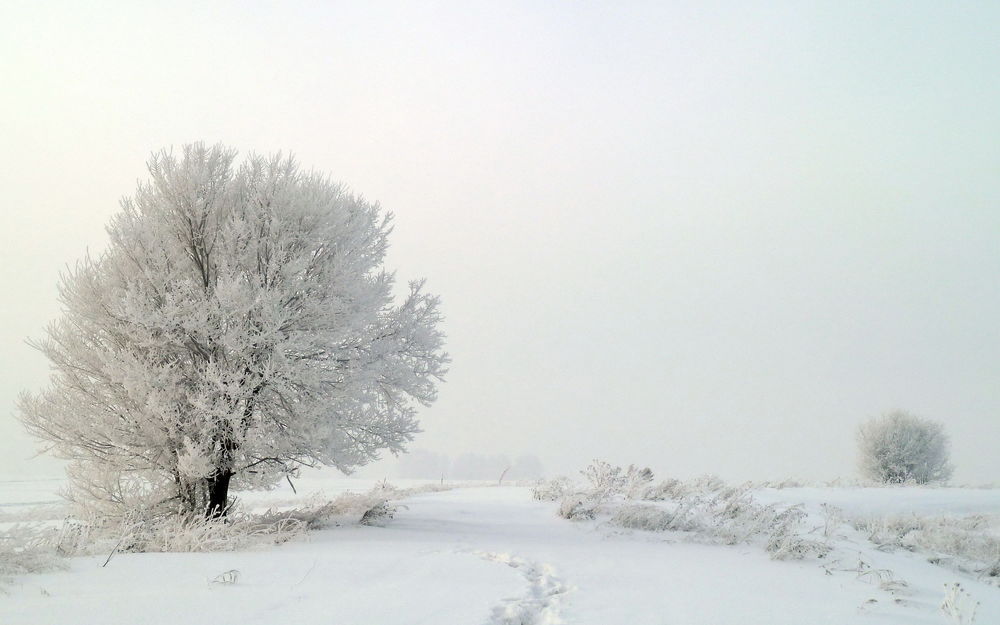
{"x":218,"y":494}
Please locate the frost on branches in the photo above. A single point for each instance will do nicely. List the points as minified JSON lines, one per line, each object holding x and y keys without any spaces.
{"x":239,"y":325}
{"x":899,"y":447}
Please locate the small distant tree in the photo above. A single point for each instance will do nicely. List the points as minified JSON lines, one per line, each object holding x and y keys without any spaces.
{"x":239,"y":325}
{"x":898,"y":447}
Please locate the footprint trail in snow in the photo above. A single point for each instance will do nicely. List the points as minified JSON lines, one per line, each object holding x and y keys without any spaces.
{"x":540,"y":605}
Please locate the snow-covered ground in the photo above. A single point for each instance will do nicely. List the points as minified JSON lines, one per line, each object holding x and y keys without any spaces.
{"x":891,"y":500}
{"x":487,"y":555}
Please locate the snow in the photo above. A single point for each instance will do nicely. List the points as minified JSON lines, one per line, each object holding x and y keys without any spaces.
{"x":891,"y":500}
{"x":22,"y":493}
{"x":489,"y":555}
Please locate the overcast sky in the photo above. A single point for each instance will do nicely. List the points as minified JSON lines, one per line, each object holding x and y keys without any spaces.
{"x":706,"y":237}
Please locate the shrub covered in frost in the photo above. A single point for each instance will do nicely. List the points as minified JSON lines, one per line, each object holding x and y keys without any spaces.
{"x":378,"y":514}
{"x":899,"y":447}
{"x":552,"y":490}
{"x":143,"y":530}
{"x":730,"y":518}
{"x":706,"y":483}
{"x":637,"y":482}
{"x":650,"y":518}
{"x":705,"y":508}
{"x":26,"y":549}
{"x":604,"y":479}
{"x":785,"y":540}
{"x":969,"y":544}
{"x":578,"y":507}
{"x":670,"y":488}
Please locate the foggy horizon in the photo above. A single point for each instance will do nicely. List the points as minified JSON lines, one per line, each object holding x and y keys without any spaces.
{"x":704,"y":238}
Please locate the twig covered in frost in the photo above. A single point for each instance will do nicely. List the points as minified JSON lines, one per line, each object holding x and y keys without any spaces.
{"x":958,"y":604}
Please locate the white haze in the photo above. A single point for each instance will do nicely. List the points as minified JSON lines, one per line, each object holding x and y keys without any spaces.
{"x":704,"y":237}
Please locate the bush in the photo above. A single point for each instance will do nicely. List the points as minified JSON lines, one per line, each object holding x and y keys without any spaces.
{"x":637,"y":481}
{"x":730,"y":517}
{"x":605,"y":479}
{"x":670,"y":488}
{"x":968,"y":544}
{"x":608,"y":481}
{"x":578,"y":507}
{"x":26,"y":549}
{"x":899,"y":447}
{"x":649,"y":518}
{"x":552,"y":490}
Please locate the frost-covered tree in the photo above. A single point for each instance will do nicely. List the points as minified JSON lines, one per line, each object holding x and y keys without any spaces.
{"x":239,"y":325}
{"x":899,"y":447}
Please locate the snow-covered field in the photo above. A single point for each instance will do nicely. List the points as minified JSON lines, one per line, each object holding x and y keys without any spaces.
{"x":486,"y":555}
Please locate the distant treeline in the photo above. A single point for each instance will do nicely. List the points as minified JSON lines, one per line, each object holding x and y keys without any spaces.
{"x":422,"y":464}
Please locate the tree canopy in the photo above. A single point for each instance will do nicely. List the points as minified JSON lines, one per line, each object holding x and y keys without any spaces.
{"x":899,"y":447}
{"x":239,"y":325}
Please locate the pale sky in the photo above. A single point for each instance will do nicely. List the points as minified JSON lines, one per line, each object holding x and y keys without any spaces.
{"x":705,"y":237}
